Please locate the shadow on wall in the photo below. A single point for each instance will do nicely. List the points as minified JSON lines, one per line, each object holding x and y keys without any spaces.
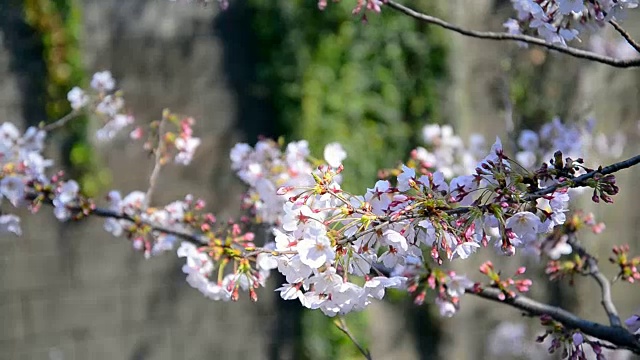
{"x":256,"y":115}
{"x":25,"y":51}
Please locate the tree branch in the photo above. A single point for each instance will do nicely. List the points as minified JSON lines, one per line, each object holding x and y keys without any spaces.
{"x":603,"y":282}
{"x":106,"y":213}
{"x":157,"y":164}
{"x":342,"y":326}
{"x":616,"y":335}
{"x":625,"y":35}
{"x":578,"y":53}
{"x":60,"y":122}
{"x":580,"y":180}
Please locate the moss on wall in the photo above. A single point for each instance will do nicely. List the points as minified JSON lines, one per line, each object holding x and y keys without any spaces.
{"x":59,"y":23}
{"x":332,"y":78}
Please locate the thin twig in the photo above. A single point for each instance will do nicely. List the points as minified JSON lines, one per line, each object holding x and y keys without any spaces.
{"x":159,"y":152}
{"x":625,"y":35}
{"x":603,"y":282}
{"x":106,"y":213}
{"x":342,"y":326}
{"x":578,"y":53}
{"x":61,"y":122}
{"x":616,"y":335}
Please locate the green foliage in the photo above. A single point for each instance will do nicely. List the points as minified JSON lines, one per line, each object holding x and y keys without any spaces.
{"x":59,"y":23}
{"x":323,"y":340}
{"x":333,"y":78}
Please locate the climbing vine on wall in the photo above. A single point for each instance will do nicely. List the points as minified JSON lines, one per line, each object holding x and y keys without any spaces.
{"x":59,"y":24}
{"x":333,"y":78}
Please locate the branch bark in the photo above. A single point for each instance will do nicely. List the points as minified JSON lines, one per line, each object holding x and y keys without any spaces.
{"x":603,"y":282}
{"x":575,"y":52}
{"x":625,"y":35}
{"x":616,"y":335}
{"x":189,"y":237}
{"x":580,"y":180}
{"x":341,"y":324}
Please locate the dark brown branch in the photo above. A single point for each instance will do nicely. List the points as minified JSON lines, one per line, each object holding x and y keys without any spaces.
{"x":105,"y":213}
{"x":578,"y":53}
{"x":580,"y":180}
{"x":615,"y":335}
{"x":603,"y":282}
{"x":625,"y":35}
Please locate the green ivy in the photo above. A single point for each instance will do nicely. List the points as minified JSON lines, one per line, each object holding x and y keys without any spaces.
{"x":59,"y":23}
{"x":333,"y":78}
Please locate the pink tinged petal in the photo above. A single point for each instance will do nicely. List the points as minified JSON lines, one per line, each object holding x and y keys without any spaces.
{"x":447,"y":308}
{"x":394,"y":238}
{"x":464,"y":250}
{"x":289,"y":292}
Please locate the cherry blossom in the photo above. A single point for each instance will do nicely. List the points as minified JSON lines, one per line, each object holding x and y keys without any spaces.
{"x":334,"y":154}
{"x":103,"y":81}
{"x":77,"y":98}
{"x":10,"y":223}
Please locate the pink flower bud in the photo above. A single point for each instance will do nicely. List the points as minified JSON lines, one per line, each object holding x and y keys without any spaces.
{"x":136,"y":134}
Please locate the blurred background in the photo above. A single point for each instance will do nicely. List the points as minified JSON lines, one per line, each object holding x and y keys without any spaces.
{"x":276,"y":68}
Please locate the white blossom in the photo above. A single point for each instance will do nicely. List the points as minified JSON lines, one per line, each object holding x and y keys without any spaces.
{"x":334,"y":154}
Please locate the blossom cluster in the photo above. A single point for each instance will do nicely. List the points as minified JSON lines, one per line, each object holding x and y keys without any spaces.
{"x":24,"y":178}
{"x":265,"y":168}
{"x":328,"y":242}
{"x":21,"y":162}
{"x":211,"y":246}
{"x":170,"y":137}
{"x":104,"y":102}
{"x":152,"y":230}
{"x":446,"y":152}
{"x":559,"y":21}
